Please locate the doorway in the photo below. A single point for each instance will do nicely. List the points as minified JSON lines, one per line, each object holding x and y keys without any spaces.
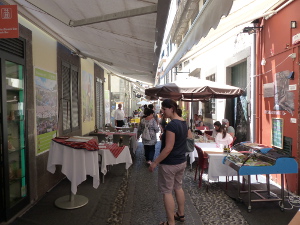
{"x":237,"y":108}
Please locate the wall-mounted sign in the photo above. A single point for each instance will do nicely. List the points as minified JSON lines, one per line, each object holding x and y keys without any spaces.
{"x":275,"y":112}
{"x":268,"y":90}
{"x":9,"y":26}
{"x":292,"y":87}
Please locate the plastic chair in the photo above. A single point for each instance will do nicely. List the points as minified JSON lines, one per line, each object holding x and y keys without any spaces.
{"x":232,"y":143}
{"x":202,"y":164}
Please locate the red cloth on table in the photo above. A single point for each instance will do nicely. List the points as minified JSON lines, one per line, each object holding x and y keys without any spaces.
{"x":91,"y":145}
{"x":115,"y":149}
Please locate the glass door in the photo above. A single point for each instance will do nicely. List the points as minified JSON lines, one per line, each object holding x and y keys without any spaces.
{"x":15,"y":132}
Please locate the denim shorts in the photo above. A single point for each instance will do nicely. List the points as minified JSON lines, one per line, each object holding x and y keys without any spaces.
{"x":170,"y":177}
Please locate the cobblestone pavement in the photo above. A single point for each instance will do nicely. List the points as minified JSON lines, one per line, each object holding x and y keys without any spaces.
{"x":134,"y":200}
{"x":145,"y":205}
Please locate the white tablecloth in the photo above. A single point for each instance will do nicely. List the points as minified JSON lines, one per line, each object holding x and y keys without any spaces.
{"x":216,"y":167}
{"x":76,"y":164}
{"x":109,"y":159}
{"x":204,"y":147}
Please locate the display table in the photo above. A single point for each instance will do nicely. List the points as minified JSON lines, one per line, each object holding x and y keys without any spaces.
{"x":76,"y":165}
{"x":109,"y":159}
{"x":216,"y":167}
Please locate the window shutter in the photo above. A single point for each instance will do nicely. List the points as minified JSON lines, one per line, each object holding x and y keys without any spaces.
{"x":14,"y":46}
{"x":75,"y":99}
{"x":66,"y":109}
{"x":99,"y":103}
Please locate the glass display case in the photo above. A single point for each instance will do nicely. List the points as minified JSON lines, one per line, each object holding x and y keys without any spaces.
{"x":15,"y":131}
{"x":13,"y":142}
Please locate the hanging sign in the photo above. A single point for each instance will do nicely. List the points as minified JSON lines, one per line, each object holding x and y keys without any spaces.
{"x":296,"y":39}
{"x":9,"y":26}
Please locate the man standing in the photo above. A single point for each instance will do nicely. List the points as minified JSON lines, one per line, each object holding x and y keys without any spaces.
{"x":119,"y":116}
{"x":230,"y":129}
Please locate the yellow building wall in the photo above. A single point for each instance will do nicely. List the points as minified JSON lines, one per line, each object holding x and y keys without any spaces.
{"x":87,"y":96}
{"x":44,"y":55}
{"x":44,"y":50}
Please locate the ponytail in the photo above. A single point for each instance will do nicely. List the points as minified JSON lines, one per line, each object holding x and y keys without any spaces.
{"x":179,"y":112}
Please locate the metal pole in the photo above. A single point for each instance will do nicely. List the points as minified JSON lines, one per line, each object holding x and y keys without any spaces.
{"x":253,"y":88}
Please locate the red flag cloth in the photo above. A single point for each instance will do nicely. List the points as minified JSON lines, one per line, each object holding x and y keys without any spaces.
{"x":91,"y":145}
{"x":115,"y":149}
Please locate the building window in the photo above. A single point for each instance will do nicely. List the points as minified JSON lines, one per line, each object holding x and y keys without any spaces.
{"x":70,"y":98}
{"x":186,"y":63}
{"x":210,"y":107}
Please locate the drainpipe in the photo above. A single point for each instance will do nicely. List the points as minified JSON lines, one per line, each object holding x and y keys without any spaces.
{"x":253,"y":88}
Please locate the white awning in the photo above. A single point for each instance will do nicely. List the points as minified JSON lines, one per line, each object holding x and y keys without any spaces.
{"x":209,"y":17}
{"x":125,"y":35}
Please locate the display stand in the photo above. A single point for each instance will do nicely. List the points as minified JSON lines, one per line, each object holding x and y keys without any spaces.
{"x":71,"y":201}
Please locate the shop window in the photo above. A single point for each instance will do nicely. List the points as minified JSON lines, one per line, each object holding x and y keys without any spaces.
{"x":70,"y":99}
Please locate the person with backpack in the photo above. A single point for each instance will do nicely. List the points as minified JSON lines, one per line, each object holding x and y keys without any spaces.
{"x":147,"y":129}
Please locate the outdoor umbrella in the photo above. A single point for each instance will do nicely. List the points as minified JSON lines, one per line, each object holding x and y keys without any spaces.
{"x":143,"y":102}
{"x":190,"y":89}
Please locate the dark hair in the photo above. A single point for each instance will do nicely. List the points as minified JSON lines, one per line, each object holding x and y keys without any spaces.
{"x":217,"y":123}
{"x":148,"y":112}
{"x":171,"y":104}
{"x":179,"y":112}
{"x":150,"y":106}
{"x":223,"y":129}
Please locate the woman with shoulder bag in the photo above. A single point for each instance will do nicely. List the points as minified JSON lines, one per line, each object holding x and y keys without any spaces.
{"x":172,"y":162}
{"x":149,"y":140}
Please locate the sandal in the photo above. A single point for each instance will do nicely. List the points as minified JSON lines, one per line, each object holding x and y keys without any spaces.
{"x":164,"y":223}
{"x":179,"y":218}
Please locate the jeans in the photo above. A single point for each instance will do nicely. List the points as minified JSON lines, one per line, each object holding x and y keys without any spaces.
{"x":149,"y":152}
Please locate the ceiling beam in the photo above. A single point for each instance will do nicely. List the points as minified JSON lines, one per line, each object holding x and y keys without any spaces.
{"x":115,"y":16}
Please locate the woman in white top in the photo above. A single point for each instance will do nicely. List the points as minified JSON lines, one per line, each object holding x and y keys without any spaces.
{"x":223,"y":137}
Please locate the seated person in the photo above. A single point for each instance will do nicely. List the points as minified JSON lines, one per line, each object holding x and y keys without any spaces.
{"x":230,"y":129}
{"x":223,"y":137}
{"x":217,"y":126}
{"x":198,"y":121}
